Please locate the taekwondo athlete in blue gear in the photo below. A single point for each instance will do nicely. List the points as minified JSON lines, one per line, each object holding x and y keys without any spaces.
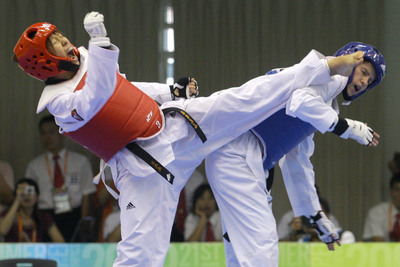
{"x":280,"y":133}
{"x":248,"y":222}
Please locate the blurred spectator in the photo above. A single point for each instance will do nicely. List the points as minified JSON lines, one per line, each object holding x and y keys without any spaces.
{"x":6,"y":185}
{"x":291,"y":228}
{"x":23,"y":222}
{"x":383,"y":220}
{"x":195,"y":180}
{"x":185,"y":205}
{"x":112,"y":226}
{"x":204,"y":222}
{"x":300,"y":230}
{"x":65,"y":181}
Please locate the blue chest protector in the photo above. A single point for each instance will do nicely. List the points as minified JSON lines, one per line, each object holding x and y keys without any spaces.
{"x":280,"y":133}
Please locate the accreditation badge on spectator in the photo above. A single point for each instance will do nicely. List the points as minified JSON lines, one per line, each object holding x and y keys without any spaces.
{"x":62,"y":200}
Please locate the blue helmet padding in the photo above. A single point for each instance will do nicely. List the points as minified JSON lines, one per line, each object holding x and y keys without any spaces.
{"x":371,"y":54}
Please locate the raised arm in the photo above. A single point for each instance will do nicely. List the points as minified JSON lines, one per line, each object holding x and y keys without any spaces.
{"x":7,"y":221}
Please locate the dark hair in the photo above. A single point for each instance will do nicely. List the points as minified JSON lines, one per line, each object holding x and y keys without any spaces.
{"x":199,"y":192}
{"x":325,"y":205}
{"x":45,"y":119}
{"x":28,"y":181}
{"x":395,"y":179}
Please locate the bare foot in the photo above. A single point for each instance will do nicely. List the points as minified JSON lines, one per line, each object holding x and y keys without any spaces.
{"x":344,"y":65}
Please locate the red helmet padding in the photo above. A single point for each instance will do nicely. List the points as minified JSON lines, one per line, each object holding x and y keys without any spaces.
{"x":32,"y":54}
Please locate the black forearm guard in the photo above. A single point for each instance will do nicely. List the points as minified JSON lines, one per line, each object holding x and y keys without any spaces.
{"x":340,"y":127}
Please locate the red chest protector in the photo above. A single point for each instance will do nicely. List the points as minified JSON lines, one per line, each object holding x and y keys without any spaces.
{"x":129,"y":114}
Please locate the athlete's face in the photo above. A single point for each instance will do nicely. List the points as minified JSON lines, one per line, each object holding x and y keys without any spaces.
{"x":363,"y":76}
{"x":61,"y":47}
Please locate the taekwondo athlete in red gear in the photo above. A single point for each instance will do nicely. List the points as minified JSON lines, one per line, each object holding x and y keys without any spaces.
{"x":287,"y":135}
{"x":176,"y":146}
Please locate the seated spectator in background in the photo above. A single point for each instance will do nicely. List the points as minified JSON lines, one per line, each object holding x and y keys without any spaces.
{"x":185,"y":205}
{"x":195,"y":180}
{"x":112,"y":225}
{"x":383,"y":220}
{"x":64,"y":178}
{"x":204,"y":222}
{"x":292,"y":228}
{"x":6,"y":185}
{"x":300,"y":230}
{"x":23,"y":222}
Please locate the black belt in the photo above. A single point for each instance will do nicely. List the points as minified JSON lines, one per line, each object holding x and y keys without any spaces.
{"x":152,"y":162}
{"x":192,"y":122}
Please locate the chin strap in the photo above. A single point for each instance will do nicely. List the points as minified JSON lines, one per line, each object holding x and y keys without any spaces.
{"x":67,"y":65}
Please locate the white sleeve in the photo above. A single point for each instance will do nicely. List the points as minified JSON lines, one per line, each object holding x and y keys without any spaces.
{"x":158,"y":91}
{"x":298,"y":175}
{"x":310,"y":103}
{"x":100,"y":83}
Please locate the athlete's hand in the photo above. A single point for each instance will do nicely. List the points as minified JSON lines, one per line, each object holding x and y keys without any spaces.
{"x":185,"y":87}
{"x":93,"y":23}
{"x":344,"y":65}
{"x":360,"y":132}
{"x":325,"y":229}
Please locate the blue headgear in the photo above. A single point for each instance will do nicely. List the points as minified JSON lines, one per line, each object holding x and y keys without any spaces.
{"x":371,"y":54}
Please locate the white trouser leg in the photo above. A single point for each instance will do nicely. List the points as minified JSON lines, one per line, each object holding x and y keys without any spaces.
{"x":230,"y":256}
{"x":237,"y":178}
{"x":148,"y":208}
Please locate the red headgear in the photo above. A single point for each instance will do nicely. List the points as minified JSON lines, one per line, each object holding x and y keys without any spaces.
{"x":33,"y":56}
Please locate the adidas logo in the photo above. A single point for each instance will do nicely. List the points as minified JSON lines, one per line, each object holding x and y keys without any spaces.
{"x":130,"y":206}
